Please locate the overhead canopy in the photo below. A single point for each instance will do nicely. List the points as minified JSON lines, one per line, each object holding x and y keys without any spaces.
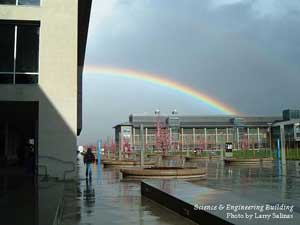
{"x":84,"y":10}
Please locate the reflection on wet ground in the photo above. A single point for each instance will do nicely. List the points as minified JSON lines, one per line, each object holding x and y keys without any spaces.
{"x":257,"y":182}
{"x":107,"y":199}
{"x":18,"y":200}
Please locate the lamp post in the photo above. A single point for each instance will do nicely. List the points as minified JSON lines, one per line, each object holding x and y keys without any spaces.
{"x":174,"y":130}
{"x":158,"y":131}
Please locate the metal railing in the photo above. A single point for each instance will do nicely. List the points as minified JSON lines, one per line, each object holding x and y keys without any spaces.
{"x":58,"y":160}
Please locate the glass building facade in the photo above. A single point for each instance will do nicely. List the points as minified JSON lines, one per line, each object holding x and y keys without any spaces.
{"x":206,"y":133}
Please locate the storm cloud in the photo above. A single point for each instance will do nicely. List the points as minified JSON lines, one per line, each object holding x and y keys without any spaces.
{"x":244,"y":53}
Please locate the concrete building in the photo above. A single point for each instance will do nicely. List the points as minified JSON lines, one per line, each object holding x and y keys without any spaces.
{"x":42,"y":53}
{"x":210,"y":132}
{"x":288,"y":130}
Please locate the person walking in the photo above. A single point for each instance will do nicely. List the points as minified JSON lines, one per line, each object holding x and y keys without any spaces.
{"x":89,"y":159}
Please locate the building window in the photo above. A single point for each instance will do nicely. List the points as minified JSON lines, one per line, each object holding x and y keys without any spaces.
{"x":7,"y":40}
{"x":19,"y":55}
{"x":20,"y":2}
{"x":8,"y":2}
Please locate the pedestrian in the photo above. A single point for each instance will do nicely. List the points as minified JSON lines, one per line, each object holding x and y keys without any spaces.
{"x":89,"y":159}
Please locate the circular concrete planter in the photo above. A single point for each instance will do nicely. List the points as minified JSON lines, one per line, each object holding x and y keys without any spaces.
{"x":164,"y":173}
{"x":196,"y":159}
{"x":125,"y":163}
{"x":240,"y":161}
{"x":270,"y":159}
{"x":154,"y":154}
{"x":103,"y":159}
{"x":172,"y":157}
{"x":232,"y":161}
{"x":214,"y":157}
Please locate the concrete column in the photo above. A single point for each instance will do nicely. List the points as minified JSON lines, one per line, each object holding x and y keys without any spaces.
{"x":133,"y":142}
{"x":194,"y":137}
{"x":227,"y":135}
{"x":270,"y":141}
{"x":120,"y":146}
{"x":248,"y":136}
{"x":205,"y":139}
{"x":171,"y":140}
{"x":238,"y":138}
{"x":146,"y":136}
{"x":258,"y":138}
{"x":194,"y":143}
{"x":282,"y":141}
{"x":142,"y":145}
{"x":216,"y":137}
{"x":181,"y":139}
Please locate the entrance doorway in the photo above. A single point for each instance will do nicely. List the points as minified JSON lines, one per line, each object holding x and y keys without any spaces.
{"x":2,"y":142}
{"x":18,"y":154}
{"x":18,"y":137}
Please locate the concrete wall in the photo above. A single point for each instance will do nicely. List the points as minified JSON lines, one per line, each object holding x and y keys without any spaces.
{"x":56,"y":91}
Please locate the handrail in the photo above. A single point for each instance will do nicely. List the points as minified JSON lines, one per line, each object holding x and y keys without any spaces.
{"x":45,"y":167}
{"x":62,"y":161}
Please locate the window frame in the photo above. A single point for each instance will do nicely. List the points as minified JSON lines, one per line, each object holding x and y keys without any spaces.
{"x":14,"y":73}
{"x":17,"y":4}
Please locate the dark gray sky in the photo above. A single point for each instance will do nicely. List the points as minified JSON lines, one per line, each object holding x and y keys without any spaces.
{"x":245,"y":53}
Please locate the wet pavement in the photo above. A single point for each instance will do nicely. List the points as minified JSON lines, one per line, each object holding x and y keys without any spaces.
{"x":29,"y":200}
{"x":18,"y":200}
{"x":255,"y":181}
{"x":108,"y":199}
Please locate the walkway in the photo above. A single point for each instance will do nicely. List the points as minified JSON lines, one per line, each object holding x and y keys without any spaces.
{"x":107,"y":200}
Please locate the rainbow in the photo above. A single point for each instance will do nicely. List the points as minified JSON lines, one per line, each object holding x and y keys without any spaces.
{"x":159,"y":80}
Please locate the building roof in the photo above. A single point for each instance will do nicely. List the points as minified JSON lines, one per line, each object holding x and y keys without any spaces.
{"x":84,"y":11}
{"x":289,"y":122}
{"x":123,"y":124}
{"x":194,"y":121}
